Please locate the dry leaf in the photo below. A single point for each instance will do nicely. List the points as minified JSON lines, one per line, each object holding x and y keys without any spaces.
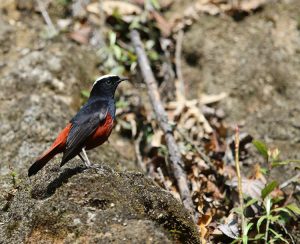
{"x":208,"y":99}
{"x":157,"y":138}
{"x":203,"y":222}
{"x":213,"y":7}
{"x":162,"y":3}
{"x":93,"y":8}
{"x":251,"y":4}
{"x":230,"y":227}
{"x":81,"y":35}
{"x":123,"y":8}
{"x":231,"y":230}
{"x":257,"y":174}
{"x":251,"y":187}
{"x":212,"y":188}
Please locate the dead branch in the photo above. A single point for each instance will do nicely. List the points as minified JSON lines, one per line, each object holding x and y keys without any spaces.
{"x":289,"y":181}
{"x":205,"y":158}
{"x":46,"y":16}
{"x":177,"y":164}
{"x":178,"y":51}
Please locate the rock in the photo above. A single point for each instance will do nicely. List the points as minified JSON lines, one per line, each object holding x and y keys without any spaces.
{"x":96,"y":206}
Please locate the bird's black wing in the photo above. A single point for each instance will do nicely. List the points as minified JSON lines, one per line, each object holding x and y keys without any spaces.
{"x":85,"y":122}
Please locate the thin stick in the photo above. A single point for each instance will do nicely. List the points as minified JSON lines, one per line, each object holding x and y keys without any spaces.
{"x":238,"y":172}
{"x":205,"y":158}
{"x":289,"y":181}
{"x":178,"y":51}
{"x":176,"y":162}
{"x":46,"y":16}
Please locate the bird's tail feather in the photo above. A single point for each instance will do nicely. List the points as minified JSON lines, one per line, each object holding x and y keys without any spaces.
{"x":43,"y":159}
{"x":57,"y":147}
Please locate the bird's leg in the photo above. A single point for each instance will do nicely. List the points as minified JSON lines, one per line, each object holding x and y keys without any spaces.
{"x":82,"y":159}
{"x":86,"y":159}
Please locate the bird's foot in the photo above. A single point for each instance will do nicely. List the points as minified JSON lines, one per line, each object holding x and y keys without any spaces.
{"x":92,"y":166}
{"x":88,"y":164}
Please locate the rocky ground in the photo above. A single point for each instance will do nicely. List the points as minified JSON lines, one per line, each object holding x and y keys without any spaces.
{"x":40,"y":84}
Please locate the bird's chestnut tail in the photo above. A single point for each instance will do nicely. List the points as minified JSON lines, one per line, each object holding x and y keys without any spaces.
{"x":57,"y":147}
{"x":41,"y":161}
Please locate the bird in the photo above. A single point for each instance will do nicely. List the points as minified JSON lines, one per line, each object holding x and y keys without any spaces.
{"x":89,"y":128}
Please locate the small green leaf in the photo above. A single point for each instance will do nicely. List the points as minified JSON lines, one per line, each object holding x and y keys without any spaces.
{"x":112,"y":38}
{"x":250,"y":202}
{"x":85,"y":93}
{"x":277,"y":199}
{"x":281,"y":163}
{"x":155,"y":4}
{"x":278,"y":236}
{"x":268,"y":189}
{"x":282,"y":210}
{"x":117,"y":52}
{"x":293,"y":207}
{"x":237,"y":210}
{"x":248,"y":227}
{"x":259,"y":222}
{"x":245,"y":239}
{"x":122,"y":104}
{"x":259,"y":236}
{"x":264,"y":170}
{"x":261,"y":147}
{"x":273,"y":218}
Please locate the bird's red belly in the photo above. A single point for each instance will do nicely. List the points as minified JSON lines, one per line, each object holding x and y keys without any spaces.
{"x":101,"y":134}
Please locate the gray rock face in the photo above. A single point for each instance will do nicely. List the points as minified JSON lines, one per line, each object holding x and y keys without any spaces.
{"x":95,"y":206}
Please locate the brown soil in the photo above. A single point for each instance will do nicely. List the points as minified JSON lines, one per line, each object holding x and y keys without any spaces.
{"x":256,"y":62}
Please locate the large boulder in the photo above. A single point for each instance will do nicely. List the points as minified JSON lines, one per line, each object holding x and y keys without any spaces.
{"x":98,"y":205}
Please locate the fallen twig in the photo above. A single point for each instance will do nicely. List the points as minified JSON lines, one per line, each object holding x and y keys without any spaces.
{"x":46,"y":17}
{"x":178,"y":51}
{"x":289,"y":181}
{"x":205,"y":158}
{"x":176,"y":162}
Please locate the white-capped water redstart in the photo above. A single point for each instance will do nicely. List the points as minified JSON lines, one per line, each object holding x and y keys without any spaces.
{"x":89,"y":128}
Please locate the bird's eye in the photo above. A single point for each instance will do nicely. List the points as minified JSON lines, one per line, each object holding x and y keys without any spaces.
{"x":109,"y":82}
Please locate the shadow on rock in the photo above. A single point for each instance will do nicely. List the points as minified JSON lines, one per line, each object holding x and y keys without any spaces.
{"x":40,"y":192}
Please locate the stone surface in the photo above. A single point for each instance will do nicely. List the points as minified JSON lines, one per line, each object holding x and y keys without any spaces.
{"x":95,"y":206}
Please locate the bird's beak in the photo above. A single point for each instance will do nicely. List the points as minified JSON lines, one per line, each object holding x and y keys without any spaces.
{"x":122,"y":79}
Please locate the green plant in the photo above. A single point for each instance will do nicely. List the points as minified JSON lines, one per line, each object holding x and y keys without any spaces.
{"x":14,"y":178}
{"x":274,"y":215}
{"x":116,"y":57}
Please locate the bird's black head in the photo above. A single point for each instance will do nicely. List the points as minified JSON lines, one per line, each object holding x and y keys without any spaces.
{"x":105,"y":86}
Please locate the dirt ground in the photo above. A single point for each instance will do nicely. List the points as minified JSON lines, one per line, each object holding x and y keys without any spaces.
{"x":256,"y":62}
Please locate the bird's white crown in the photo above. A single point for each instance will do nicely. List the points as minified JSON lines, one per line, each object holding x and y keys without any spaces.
{"x":103,"y":77}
